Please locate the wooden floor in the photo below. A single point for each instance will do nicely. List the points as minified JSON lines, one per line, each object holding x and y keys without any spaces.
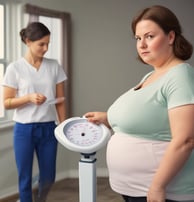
{"x":68,"y":191}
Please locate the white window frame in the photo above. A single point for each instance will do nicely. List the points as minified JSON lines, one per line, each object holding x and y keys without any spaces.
{"x":2,"y":61}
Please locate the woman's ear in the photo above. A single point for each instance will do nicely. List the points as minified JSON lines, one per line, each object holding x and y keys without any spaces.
{"x":171,"y":36}
{"x":27,"y":41}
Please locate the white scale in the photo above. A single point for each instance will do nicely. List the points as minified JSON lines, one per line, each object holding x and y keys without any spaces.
{"x":79,"y":135}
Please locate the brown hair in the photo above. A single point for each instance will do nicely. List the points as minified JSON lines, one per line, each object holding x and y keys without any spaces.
{"x":167,"y":20}
{"x":34,"y":31}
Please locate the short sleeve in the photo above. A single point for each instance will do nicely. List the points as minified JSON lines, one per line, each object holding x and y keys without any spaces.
{"x":10,"y":77}
{"x":179,"y":89}
{"x":61,"y":76}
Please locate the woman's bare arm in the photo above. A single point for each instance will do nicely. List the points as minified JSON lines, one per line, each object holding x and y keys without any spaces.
{"x":177,"y":153}
{"x":12,"y":102}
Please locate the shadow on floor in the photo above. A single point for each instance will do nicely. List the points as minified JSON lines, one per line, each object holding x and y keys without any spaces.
{"x":68,"y":191}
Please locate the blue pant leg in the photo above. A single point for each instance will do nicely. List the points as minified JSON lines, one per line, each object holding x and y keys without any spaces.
{"x":46,"y":152}
{"x":23,"y":148}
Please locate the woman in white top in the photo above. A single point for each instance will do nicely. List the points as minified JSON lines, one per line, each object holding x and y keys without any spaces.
{"x":34,"y":88}
{"x":150,"y":157}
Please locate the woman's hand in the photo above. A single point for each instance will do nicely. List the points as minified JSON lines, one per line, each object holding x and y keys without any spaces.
{"x":156,"y":195}
{"x":37,"y":98}
{"x":97,"y":118}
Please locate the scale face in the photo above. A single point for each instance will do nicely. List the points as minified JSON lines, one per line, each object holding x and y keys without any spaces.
{"x":83,"y":133}
{"x":78,"y":134}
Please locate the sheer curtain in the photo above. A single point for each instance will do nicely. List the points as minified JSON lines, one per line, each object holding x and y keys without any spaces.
{"x":55,"y":46}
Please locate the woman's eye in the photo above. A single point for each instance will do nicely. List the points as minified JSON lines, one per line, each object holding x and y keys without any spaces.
{"x":137,"y":38}
{"x":150,"y":36}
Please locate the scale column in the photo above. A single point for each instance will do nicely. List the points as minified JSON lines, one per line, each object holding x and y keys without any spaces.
{"x":87,"y":178}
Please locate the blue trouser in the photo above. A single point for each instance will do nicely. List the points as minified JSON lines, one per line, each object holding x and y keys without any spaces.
{"x":39,"y":138}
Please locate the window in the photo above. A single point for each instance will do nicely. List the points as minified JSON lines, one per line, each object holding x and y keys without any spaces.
{"x":55,"y":45}
{"x":11,"y":21}
{"x":2,"y":55}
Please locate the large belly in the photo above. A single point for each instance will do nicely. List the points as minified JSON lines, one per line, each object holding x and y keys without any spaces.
{"x":132,"y":162}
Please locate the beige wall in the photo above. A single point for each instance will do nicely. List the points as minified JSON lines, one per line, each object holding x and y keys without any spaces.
{"x":104,"y":65}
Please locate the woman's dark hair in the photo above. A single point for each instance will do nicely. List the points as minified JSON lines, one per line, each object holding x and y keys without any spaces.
{"x":34,"y":31}
{"x":167,"y":20}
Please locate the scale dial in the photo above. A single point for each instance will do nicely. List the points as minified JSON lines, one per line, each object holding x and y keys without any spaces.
{"x":83,"y":133}
{"x":78,"y":134}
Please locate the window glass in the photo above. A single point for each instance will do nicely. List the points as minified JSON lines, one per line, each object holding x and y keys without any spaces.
{"x":2,"y":32}
{"x":10,"y":47}
{"x":2,"y":55}
{"x":55,"y":46}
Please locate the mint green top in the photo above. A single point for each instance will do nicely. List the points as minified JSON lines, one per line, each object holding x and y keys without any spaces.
{"x":144,"y":112}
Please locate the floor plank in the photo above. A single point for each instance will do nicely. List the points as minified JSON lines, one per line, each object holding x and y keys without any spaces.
{"x":67,"y":190}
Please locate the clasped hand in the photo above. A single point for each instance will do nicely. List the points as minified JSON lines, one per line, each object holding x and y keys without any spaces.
{"x":37,"y":98}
